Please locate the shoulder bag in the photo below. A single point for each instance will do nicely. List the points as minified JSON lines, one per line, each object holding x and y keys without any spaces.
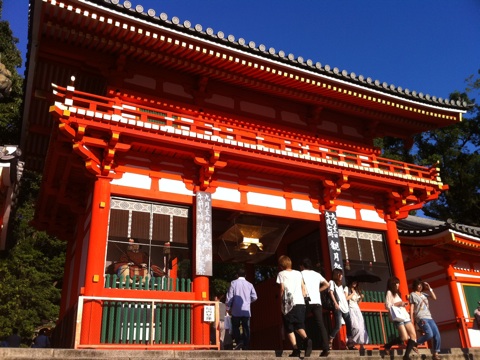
{"x":399,"y":314}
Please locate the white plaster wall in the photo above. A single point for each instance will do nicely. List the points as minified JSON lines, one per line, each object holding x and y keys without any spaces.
{"x":174,"y":186}
{"x":134,"y":180}
{"x":271,"y":201}
{"x":474,"y":335}
{"x":346,"y":212}
{"x":304,"y":206}
{"x":227,"y":194}
{"x":442,"y":308}
{"x":371,"y":215}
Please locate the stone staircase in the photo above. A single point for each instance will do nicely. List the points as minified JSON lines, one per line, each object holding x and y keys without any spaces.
{"x":44,"y":354}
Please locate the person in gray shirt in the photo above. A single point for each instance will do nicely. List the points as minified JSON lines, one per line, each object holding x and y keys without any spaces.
{"x":420,"y":312}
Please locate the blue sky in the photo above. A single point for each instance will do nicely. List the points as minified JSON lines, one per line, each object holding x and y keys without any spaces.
{"x":430,"y":46}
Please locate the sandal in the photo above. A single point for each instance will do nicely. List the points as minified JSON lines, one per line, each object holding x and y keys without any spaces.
{"x":387,"y":349}
{"x":330,"y":343}
{"x":436,"y":357}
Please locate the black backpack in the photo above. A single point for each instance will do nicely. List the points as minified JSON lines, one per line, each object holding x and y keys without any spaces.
{"x":327,"y":301}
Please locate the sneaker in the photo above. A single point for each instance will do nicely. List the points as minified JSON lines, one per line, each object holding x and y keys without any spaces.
{"x":324,"y":353}
{"x":307,"y":345}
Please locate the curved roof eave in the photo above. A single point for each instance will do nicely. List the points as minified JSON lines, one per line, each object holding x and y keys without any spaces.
{"x":414,"y":226}
{"x":279,"y":57}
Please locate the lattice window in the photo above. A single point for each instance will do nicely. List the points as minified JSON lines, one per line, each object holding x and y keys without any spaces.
{"x":365,"y":250}
{"x":162,"y":231}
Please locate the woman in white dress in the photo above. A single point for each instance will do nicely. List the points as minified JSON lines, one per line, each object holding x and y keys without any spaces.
{"x":354,"y":296}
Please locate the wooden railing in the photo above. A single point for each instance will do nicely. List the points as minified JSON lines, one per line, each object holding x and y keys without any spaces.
{"x":379,"y":327}
{"x":143,"y":323}
{"x":234,"y":133}
{"x":163,"y":283}
{"x":128,"y":322}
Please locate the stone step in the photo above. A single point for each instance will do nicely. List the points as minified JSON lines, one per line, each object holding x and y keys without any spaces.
{"x":44,"y":354}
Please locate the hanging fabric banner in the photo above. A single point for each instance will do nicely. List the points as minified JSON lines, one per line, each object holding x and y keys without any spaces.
{"x":334,"y":249}
{"x":203,"y":234}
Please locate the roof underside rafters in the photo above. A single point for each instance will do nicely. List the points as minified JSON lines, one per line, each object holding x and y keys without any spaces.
{"x":101,"y":31}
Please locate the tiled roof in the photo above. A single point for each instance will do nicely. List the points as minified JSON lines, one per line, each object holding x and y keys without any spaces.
{"x":417,"y":226}
{"x":271,"y":53}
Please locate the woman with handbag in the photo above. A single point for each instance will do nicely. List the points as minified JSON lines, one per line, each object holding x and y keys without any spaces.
{"x":400,"y":317}
{"x":419,"y":310}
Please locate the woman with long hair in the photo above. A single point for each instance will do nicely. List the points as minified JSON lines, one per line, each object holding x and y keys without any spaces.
{"x":336,"y":292}
{"x":354,"y":296}
{"x":420,"y":312}
{"x":405,"y":328}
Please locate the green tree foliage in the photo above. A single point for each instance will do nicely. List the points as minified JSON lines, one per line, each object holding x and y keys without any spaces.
{"x":31,"y":272}
{"x":223,"y":274}
{"x":11,"y":105}
{"x":456,"y":151}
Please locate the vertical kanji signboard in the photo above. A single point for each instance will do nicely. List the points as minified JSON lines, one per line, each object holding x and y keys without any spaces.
{"x":333,"y":240}
{"x":203,"y":236}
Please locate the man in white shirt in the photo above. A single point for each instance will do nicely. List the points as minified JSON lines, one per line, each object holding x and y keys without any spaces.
{"x":315,"y":283}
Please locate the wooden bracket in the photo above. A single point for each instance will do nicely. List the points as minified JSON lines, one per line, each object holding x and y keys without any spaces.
{"x":332,"y":189}
{"x":208,"y":167}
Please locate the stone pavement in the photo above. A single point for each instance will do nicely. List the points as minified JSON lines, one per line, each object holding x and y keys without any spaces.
{"x":44,"y":354}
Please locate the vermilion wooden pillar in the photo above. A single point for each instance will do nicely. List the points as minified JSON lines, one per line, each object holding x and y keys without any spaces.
{"x":396,"y":258}
{"x":201,"y":329}
{"x":457,"y":307}
{"x":94,"y":272}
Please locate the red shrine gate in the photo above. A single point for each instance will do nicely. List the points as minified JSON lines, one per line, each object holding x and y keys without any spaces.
{"x":205,"y":150}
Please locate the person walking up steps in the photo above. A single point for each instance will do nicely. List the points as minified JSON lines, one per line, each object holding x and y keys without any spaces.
{"x":341,"y":311}
{"x":292,"y":293}
{"x":239,"y":297}
{"x":404,"y":327}
{"x":315,"y":283}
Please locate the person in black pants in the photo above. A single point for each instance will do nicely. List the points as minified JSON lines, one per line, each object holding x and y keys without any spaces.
{"x":315,"y":283}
